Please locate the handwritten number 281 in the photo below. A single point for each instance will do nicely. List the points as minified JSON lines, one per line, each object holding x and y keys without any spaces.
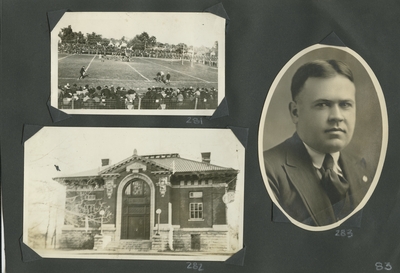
{"x":194,"y":120}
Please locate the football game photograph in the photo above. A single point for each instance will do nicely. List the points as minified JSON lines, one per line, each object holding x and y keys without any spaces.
{"x":138,"y":63}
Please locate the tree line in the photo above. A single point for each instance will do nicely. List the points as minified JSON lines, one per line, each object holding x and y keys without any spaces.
{"x":141,"y":41}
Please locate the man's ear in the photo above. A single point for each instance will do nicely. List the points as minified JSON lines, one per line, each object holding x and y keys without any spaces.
{"x":293,"y":112}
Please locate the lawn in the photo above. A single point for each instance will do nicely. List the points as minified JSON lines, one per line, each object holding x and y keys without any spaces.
{"x":138,"y":73}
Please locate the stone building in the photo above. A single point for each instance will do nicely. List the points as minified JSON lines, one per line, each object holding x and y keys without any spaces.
{"x":149,"y":203}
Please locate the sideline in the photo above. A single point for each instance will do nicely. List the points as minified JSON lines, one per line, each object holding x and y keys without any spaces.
{"x":64,"y":57}
{"x":139,"y":81}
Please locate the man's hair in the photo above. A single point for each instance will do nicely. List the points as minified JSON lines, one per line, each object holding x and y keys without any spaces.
{"x":318,"y":69}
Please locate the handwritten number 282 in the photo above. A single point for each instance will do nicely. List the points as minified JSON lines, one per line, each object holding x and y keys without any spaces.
{"x":195,"y":266}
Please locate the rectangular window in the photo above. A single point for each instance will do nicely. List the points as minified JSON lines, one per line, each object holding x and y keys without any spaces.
{"x":89,"y":208}
{"x":196,"y":194}
{"x":196,"y":211}
{"x":195,"y":241}
{"x":90,"y":197}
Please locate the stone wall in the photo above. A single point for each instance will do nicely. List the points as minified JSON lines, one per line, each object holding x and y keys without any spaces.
{"x":210,"y":240}
{"x":77,"y":239}
{"x":109,"y":230}
{"x":193,"y":240}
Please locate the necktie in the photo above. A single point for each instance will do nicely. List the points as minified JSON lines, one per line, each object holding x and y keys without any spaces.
{"x":335,"y":186}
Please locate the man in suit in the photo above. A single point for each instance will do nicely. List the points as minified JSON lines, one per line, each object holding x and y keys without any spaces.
{"x":313,"y":179}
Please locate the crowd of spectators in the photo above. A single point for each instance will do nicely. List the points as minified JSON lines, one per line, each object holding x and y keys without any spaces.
{"x":125,"y":54}
{"x":109,"y":97}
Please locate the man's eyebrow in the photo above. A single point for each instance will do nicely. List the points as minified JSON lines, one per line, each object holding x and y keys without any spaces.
{"x":329,"y":100}
{"x":347,"y":100}
{"x":322,"y":100}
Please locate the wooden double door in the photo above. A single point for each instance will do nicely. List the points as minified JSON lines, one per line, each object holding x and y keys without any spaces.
{"x":136,"y":211}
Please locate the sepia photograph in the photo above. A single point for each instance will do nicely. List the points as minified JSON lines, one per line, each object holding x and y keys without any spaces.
{"x":132,"y":63}
{"x":323,"y":137}
{"x":134,"y":193}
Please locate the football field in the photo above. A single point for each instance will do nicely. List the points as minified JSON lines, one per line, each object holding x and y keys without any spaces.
{"x":137,"y":73}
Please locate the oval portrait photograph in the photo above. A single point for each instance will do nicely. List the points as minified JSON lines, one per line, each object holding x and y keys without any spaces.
{"x":323,"y":137}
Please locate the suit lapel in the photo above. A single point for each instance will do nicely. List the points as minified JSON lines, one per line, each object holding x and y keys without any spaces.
{"x":304,"y":178}
{"x":354,"y":172}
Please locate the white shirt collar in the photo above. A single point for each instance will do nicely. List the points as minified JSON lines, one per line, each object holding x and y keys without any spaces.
{"x":318,"y":158}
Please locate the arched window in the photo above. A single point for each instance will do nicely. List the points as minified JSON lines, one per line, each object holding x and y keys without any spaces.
{"x":137,"y":188}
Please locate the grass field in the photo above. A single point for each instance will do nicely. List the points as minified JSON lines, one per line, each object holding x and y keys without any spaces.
{"x":138,"y":73}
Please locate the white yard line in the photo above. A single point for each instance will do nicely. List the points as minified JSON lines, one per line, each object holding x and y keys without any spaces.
{"x":169,"y":68}
{"x":87,"y":68}
{"x":137,"y":72}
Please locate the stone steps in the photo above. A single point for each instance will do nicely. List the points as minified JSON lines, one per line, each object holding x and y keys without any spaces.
{"x":130,"y":245}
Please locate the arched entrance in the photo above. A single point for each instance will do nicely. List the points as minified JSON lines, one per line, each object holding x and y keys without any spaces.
{"x":135,"y":210}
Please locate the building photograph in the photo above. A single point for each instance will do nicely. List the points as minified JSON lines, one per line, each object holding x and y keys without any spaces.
{"x":134,"y":193}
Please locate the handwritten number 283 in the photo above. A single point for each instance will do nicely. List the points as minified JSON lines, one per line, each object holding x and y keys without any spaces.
{"x":383,"y":266}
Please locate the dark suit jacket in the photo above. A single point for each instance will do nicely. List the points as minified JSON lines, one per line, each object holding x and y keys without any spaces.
{"x":297,"y":187}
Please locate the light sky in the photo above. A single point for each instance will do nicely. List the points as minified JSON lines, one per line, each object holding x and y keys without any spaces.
{"x":79,"y":149}
{"x":195,"y":29}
